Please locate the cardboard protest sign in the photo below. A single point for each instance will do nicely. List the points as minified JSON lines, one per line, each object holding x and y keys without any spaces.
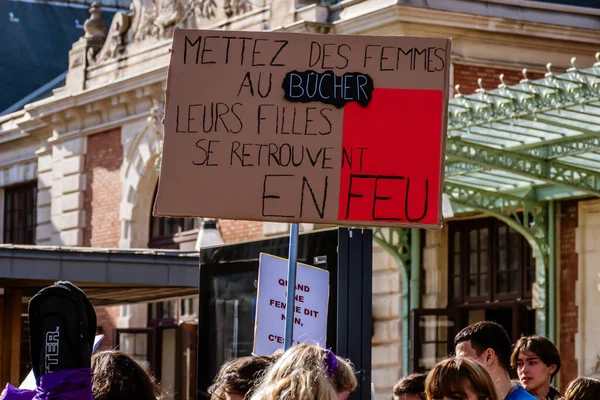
{"x":345,"y":130}
{"x":311,"y":300}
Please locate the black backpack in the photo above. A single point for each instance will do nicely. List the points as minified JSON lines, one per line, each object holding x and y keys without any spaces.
{"x":62,"y":328}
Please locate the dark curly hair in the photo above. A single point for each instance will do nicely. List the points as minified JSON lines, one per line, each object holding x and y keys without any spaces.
{"x":239,"y":376}
{"x":117,"y":376}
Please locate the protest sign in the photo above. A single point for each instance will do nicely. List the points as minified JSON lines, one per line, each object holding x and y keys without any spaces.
{"x":344,"y":130}
{"x":310,"y":309}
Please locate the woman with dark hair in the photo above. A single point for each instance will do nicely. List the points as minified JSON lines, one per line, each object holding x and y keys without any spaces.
{"x":537,"y":361}
{"x":117,"y":376}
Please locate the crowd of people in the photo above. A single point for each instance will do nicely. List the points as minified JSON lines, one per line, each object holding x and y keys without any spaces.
{"x":480,"y":370}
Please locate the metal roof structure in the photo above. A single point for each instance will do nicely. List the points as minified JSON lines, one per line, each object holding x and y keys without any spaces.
{"x":511,"y":149}
{"x":510,"y":152}
{"x":108,"y":276}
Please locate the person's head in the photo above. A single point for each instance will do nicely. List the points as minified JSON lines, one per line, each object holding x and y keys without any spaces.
{"x":486,"y":342}
{"x":411,"y":387}
{"x":344,"y":379}
{"x":583,"y":389}
{"x":304,"y":372}
{"x":459,"y":378}
{"x":238,"y":377}
{"x":117,"y":376}
{"x":536,"y":360}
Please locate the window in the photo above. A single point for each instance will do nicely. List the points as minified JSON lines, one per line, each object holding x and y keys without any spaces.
{"x":189,"y":308}
{"x":169,"y":233}
{"x":489,"y":261}
{"x":162,"y":313}
{"x":20,"y":213}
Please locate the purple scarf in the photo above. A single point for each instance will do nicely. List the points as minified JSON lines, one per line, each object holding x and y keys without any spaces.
{"x":74,"y":384}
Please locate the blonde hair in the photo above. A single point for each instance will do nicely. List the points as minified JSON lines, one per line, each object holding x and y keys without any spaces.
{"x":344,"y":378}
{"x":452,"y":376}
{"x":299,"y":374}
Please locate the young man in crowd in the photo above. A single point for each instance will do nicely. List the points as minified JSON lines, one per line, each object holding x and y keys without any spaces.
{"x":489,"y":344}
{"x":537,"y":361}
{"x":411,"y":387}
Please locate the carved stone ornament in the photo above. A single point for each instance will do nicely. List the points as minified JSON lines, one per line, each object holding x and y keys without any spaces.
{"x":157,"y":19}
{"x":115,"y":41}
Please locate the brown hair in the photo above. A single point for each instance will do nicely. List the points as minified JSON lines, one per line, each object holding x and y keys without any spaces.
{"x":450,"y":377}
{"x":299,"y":374}
{"x":239,"y":376}
{"x":117,"y":376}
{"x":541,"y":347}
{"x":344,"y":378}
{"x":583,"y":389}
{"x":412,"y":384}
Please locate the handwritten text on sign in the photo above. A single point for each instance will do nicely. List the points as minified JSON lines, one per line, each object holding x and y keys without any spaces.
{"x":305,"y":128}
{"x":310,"y":309}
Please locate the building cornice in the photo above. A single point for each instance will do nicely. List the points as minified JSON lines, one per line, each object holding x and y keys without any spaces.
{"x":389,"y":13}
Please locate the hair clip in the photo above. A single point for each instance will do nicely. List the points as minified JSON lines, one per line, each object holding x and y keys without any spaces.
{"x":330,"y":362}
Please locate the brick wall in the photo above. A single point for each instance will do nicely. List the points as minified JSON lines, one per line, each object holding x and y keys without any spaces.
{"x":466,"y":76}
{"x":106,"y":318}
{"x":239,"y":231}
{"x":102,"y":196}
{"x":568,"y":316}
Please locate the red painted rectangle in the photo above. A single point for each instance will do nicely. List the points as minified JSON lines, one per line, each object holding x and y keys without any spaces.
{"x":391,"y":159}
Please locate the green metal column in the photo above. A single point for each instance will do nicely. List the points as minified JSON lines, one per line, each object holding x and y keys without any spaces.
{"x":415,"y":269}
{"x":551,"y":298}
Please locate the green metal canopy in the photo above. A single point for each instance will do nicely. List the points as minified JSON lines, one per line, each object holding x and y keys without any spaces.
{"x":539,"y":139}
{"x":510,"y":153}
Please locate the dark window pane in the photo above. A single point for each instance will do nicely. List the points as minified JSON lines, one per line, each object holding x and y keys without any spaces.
{"x":483,"y":262}
{"x":514,"y":240}
{"x":501,"y":283}
{"x":502,"y":249}
{"x":473,"y":262}
{"x":456,"y":242}
{"x":483,"y":238}
{"x":483,"y":285}
{"x":456,"y":266}
{"x":20,"y":213}
{"x":472,"y":287}
{"x":513,"y":281}
{"x":473,"y":240}
{"x":456,"y":287}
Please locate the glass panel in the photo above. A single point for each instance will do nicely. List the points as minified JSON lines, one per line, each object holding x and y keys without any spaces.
{"x":502,"y":249}
{"x":442,"y":350}
{"x":514,"y":249}
{"x":456,"y":266}
{"x":501,"y":283}
{"x":473,"y":240}
{"x":483,"y":238}
{"x":456,"y":287}
{"x":483,"y":285}
{"x":430,"y":328}
{"x":513,"y":281}
{"x":442,"y":335}
{"x":428,"y":358}
{"x":483,"y":261}
{"x":472,"y":286}
{"x":456,"y":242}
{"x":473,"y":262}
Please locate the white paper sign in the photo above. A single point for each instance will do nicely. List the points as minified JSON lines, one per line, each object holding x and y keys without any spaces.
{"x":310,"y":316}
